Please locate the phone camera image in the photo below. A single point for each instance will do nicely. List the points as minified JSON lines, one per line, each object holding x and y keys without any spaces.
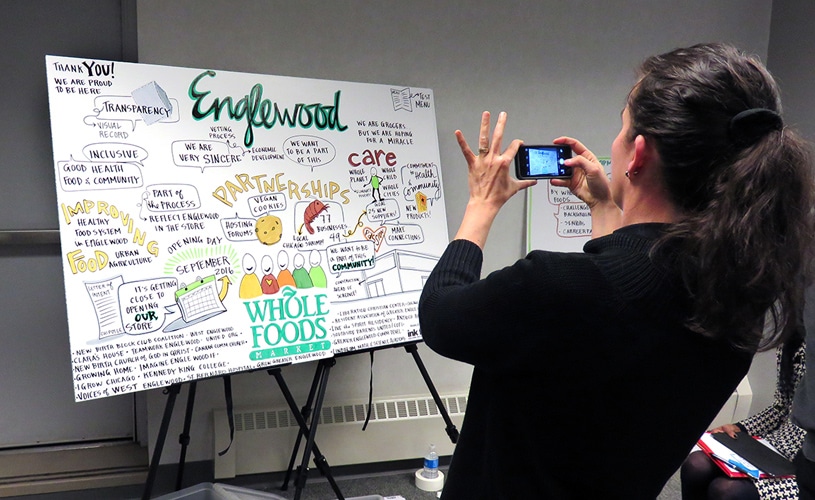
{"x":543,"y":162}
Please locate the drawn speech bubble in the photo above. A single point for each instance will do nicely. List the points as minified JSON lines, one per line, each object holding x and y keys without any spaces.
{"x":238,"y":229}
{"x":381,"y":211}
{"x":309,"y":151}
{"x":351,"y":256}
{"x":88,"y":175}
{"x":122,"y":108}
{"x":422,"y":177}
{"x":171,"y":197}
{"x":558,"y":195}
{"x":116,"y":152}
{"x":573,"y":220}
{"x":265,"y":203}
{"x":145,"y":305}
{"x":404,"y":234}
{"x":203,"y":154}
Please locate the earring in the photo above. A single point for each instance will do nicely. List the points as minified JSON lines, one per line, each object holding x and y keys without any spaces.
{"x":626,"y":174}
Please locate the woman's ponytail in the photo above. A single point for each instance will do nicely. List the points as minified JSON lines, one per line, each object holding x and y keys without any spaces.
{"x":744,"y":183}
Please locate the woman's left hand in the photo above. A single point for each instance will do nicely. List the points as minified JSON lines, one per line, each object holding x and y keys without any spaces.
{"x":490,"y":183}
{"x":489,"y":178}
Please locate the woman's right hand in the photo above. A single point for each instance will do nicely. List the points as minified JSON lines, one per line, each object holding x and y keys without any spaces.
{"x":590,"y":183}
{"x":729,"y":429}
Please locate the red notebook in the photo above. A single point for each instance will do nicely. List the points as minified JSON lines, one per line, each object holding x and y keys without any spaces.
{"x":744,"y":456}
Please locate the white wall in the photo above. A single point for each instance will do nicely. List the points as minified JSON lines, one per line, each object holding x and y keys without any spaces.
{"x":791,"y":58}
{"x":35,"y":361}
{"x":556,"y":67}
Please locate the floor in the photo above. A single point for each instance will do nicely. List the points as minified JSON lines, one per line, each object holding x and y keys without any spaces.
{"x":395,"y":483}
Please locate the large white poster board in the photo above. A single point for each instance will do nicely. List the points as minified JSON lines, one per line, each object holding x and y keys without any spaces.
{"x":213,"y":222}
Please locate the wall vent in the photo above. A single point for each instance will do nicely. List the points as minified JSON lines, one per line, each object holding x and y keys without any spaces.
{"x":398,"y":429}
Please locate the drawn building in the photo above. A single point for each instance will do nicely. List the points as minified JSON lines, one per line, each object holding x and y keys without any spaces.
{"x":397,"y":271}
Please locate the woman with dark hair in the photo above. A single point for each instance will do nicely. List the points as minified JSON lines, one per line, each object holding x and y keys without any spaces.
{"x":704,"y":480}
{"x":702,"y":234}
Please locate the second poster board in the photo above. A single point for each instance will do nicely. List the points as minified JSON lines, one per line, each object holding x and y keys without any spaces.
{"x":556,"y":219}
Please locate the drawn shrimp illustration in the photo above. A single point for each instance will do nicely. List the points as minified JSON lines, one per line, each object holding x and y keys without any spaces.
{"x":313,"y":209}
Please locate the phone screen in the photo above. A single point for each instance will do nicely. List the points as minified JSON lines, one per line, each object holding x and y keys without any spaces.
{"x":542,"y":162}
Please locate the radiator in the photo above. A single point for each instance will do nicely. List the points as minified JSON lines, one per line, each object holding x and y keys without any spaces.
{"x":398,"y":429}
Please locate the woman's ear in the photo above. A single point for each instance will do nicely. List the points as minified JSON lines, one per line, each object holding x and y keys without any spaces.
{"x":644,"y":155}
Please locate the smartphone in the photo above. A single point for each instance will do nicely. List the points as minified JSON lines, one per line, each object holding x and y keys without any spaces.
{"x":543,"y":162}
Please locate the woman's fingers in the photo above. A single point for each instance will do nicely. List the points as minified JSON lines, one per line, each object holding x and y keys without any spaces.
{"x":489,"y":175}
{"x":498,"y":134}
{"x":465,"y":148}
{"x":589,"y":181}
{"x":512,"y":150}
{"x":484,"y":134}
{"x":577,"y":147}
{"x":485,"y":145}
{"x":590,"y":167}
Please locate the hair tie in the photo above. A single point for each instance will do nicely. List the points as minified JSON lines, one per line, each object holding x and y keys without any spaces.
{"x":752,"y":124}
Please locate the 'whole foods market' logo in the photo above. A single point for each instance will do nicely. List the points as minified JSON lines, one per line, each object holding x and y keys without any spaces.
{"x":288,"y":325}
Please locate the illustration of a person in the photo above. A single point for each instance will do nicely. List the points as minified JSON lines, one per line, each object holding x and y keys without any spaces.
{"x":250,"y":284}
{"x":284,"y":277}
{"x":269,"y":283}
{"x":145,"y":196}
{"x":375,"y":182}
{"x":316,"y":272}
{"x":301,"y":277}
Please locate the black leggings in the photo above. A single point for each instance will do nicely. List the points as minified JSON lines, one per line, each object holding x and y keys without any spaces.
{"x":805,"y":472}
{"x":703,"y":480}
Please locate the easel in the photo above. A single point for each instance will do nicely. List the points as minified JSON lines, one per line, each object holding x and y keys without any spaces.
{"x":317,"y":387}
{"x":184,"y":438}
{"x":172,"y":394}
{"x":316,"y":396}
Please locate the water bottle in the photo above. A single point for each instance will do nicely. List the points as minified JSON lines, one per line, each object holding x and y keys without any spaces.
{"x":431,"y":463}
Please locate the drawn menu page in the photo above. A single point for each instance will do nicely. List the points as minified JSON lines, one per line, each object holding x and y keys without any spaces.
{"x":214,"y":222}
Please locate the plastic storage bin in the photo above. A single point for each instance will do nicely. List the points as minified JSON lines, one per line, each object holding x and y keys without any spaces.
{"x":220,"y":491}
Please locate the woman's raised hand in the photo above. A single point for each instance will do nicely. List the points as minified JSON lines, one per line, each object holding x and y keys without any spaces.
{"x":488,"y":170}
{"x":490,"y":183}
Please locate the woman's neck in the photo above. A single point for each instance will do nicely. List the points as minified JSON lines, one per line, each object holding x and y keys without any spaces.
{"x":643,"y":207}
